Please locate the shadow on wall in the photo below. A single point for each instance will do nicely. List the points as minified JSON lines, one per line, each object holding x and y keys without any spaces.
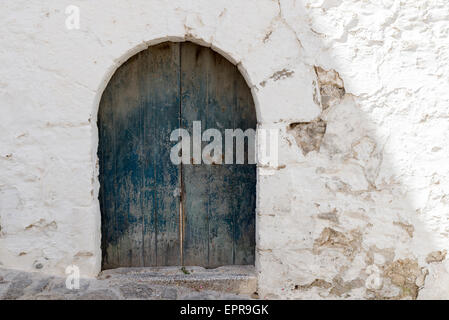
{"x":356,"y":202}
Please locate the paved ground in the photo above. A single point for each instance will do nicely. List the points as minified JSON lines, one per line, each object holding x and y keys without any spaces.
{"x":134,"y":283}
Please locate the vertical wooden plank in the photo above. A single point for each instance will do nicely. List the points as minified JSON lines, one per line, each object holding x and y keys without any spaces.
{"x":124,"y":180}
{"x":221,"y":100}
{"x":194,"y":75}
{"x":160,"y":89}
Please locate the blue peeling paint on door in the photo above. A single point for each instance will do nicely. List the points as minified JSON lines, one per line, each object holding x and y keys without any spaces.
{"x":156,"y":213}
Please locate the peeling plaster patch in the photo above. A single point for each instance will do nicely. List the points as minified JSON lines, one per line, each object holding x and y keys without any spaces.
{"x":308,"y":135}
{"x":406,"y":273}
{"x":331,"y":87}
{"x":406,"y":226}
{"x":331,"y":216}
{"x":340,"y":287}
{"x":43,"y":225}
{"x":284,"y":73}
{"x":320,"y":283}
{"x":350,"y":243}
{"x":337,"y":287}
{"x":83,"y":254}
{"x":436,"y":256}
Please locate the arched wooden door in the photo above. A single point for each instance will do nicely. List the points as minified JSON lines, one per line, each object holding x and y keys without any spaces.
{"x":156,"y":213}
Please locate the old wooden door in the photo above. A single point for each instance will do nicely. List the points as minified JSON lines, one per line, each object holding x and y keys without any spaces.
{"x":156,"y":213}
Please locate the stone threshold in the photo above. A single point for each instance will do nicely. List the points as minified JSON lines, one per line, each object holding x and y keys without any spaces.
{"x":230,"y":279}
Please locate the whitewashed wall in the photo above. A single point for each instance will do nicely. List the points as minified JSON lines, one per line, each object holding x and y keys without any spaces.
{"x":359,"y":206}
